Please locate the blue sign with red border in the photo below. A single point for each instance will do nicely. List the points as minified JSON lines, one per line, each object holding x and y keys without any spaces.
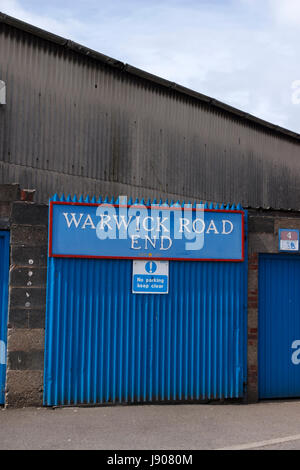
{"x":91,"y":230}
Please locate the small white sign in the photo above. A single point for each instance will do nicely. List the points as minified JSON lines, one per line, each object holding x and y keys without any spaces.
{"x":287,"y":245}
{"x":288,"y":240}
{"x":150,"y":277}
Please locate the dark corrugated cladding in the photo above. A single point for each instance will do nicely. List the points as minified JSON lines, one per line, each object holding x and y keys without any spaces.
{"x":76,"y":120}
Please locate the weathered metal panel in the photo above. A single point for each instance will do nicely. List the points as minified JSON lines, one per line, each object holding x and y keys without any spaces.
{"x":279,"y":326}
{"x":73,"y":123}
{"x":4,"y":268}
{"x":107,"y":345}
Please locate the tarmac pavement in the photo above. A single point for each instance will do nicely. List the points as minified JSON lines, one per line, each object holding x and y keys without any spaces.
{"x":266,"y":425}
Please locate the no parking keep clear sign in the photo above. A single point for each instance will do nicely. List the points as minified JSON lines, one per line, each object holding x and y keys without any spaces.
{"x":150,"y":277}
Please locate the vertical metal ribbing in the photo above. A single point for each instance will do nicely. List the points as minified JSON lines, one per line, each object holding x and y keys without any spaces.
{"x":126,"y":121}
{"x":279,"y":325}
{"x":107,"y":345}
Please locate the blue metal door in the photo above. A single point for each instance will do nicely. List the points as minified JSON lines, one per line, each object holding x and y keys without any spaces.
{"x":279,"y":326}
{"x":4,"y":269}
{"x":107,"y":345}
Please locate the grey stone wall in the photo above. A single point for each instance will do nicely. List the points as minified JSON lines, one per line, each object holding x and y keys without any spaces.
{"x":27,"y":303}
{"x":28,"y":226}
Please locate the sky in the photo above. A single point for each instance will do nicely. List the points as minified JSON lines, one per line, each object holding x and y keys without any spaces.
{"x":243,"y":52}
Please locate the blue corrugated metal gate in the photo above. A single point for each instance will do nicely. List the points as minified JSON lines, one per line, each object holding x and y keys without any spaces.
{"x":107,"y":345}
{"x":4,"y":268}
{"x":279,"y":326}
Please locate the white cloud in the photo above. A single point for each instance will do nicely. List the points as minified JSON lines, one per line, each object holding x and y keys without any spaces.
{"x":63,"y":27}
{"x":286,"y":11}
{"x":296,"y":92}
{"x":238,"y":98}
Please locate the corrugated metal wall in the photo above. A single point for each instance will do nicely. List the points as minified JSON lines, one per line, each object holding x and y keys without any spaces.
{"x":73,"y":124}
{"x":107,"y":345}
{"x":4,"y":268}
{"x":279,"y":326}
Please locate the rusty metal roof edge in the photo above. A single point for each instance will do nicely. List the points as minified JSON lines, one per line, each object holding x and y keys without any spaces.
{"x":80,"y":49}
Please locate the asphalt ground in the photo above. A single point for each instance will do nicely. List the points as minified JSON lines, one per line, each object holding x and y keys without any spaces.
{"x":262,"y":426}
